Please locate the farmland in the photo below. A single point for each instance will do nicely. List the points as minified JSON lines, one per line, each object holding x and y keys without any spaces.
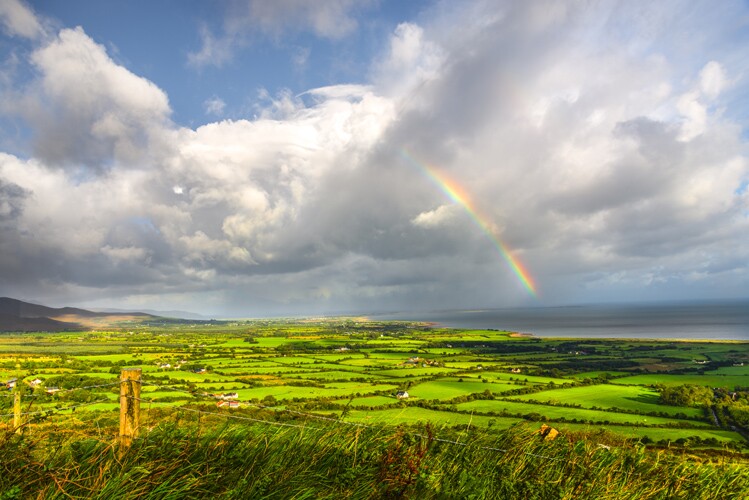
{"x":350,"y":370}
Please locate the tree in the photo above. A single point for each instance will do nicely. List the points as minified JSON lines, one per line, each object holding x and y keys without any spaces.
{"x":685,"y":395}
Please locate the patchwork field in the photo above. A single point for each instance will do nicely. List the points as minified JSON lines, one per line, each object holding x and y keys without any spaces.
{"x":391,"y":373}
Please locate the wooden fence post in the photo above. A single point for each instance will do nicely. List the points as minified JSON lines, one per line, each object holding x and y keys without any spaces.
{"x":129,"y":405}
{"x":17,"y":409}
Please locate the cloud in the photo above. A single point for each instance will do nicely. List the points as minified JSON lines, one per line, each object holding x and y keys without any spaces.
{"x":86,"y":109}
{"x":606,"y":171}
{"x":19,"y":20}
{"x":712,"y":79}
{"x":327,"y":19}
{"x":436,"y":217}
{"x":693,"y":104}
{"x":124,"y":253}
{"x":411,"y":60}
{"x":214,"y":106}
{"x":12,"y":197}
{"x":300,"y":57}
{"x":215,"y":51}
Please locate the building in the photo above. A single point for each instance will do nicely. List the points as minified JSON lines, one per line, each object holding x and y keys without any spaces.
{"x":227,"y":404}
{"x":402,"y":395}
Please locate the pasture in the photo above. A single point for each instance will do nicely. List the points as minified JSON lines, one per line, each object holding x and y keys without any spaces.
{"x":352,"y":370}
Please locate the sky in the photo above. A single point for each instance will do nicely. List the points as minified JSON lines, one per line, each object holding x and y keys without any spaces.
{"x":248,"y":158}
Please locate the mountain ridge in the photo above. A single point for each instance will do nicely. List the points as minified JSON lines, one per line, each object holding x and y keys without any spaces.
{"x":18,"y":315}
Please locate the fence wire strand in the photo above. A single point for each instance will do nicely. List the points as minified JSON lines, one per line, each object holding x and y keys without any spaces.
{"x":336,"y":421}
{"x":329,"y":419}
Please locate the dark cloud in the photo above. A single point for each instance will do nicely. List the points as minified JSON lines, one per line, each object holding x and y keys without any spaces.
{"x":12,"y":197}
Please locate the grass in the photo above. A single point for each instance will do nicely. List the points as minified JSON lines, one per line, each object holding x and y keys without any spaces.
{"x":368,"y":401}
{"x":727,"y":381}
{"x":451,"y":387}
{"x":553,"y":413}
{"x":633,"y":398}
{"x":415,"y":415}
{"x":178,"y":459}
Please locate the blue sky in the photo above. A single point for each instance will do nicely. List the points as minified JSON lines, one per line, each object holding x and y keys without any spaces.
{"x":247,"y":157}
{"x":155,"y":40}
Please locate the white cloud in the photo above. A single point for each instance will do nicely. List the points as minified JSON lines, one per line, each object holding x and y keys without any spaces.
{"x":118,"y":254}
{"x":436,"y":217}
{"x":19,"y":20}
{"x":300,"y":57}
{"x":214,"y":106}
{"x":329,"y":19}
{"x":326,"y":18}
{"x":693,"y":104}
{"x":410,"y":61}
{"x":712,"y":79}
{"x":87,"y":109}
{"x":215,"y":51}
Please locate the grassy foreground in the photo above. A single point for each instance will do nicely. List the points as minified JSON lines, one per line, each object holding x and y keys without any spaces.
{"x":223,"y":459}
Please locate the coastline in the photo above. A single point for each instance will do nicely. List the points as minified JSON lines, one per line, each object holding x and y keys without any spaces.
{"x":723,"y":321}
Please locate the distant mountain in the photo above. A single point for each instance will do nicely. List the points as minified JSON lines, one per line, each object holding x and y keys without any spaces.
{"x":11,"y":323}
{"x":17,"y":315}
{"x":152,"y":312}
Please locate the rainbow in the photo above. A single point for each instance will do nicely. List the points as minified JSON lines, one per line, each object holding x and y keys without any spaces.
{"x":458,"y":195}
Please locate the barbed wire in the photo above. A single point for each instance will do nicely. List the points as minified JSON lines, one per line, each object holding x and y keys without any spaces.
{"x":337,"y":421}
{"x":56,"y":410}
{"x":241,"y":417}
{"x":58,"y":391}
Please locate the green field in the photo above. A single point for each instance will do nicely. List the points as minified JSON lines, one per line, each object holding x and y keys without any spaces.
{"x":563,"y":413}
{"x":353,"y":369}
{"x":632,"y":398}
{"x":727,"y":381}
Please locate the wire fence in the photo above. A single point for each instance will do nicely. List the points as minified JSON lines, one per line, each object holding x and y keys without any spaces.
{"x":321,"y":417}
{"x":245,"y":418}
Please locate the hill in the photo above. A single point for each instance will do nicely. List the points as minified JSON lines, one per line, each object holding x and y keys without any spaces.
{"x":17,"y":315}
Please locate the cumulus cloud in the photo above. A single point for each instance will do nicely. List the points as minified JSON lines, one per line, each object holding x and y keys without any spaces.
{"x":411,"y":60}
{"x":601,"y":169}
{"x":85,"y":108}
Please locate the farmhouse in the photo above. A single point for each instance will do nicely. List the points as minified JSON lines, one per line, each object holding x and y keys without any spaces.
{"x":10,"y":384}
{"x":36,"y":382}
{"x":227,"y":404}
{"x":402,"y":395}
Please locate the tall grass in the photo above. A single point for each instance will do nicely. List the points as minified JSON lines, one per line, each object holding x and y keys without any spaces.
{"x":183,"y":458}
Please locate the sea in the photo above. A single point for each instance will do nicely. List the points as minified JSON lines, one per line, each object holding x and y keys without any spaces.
{"x":687,"y":321}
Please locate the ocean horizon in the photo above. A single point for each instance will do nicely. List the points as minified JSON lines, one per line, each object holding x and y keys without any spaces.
{"x":686,"y":321}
